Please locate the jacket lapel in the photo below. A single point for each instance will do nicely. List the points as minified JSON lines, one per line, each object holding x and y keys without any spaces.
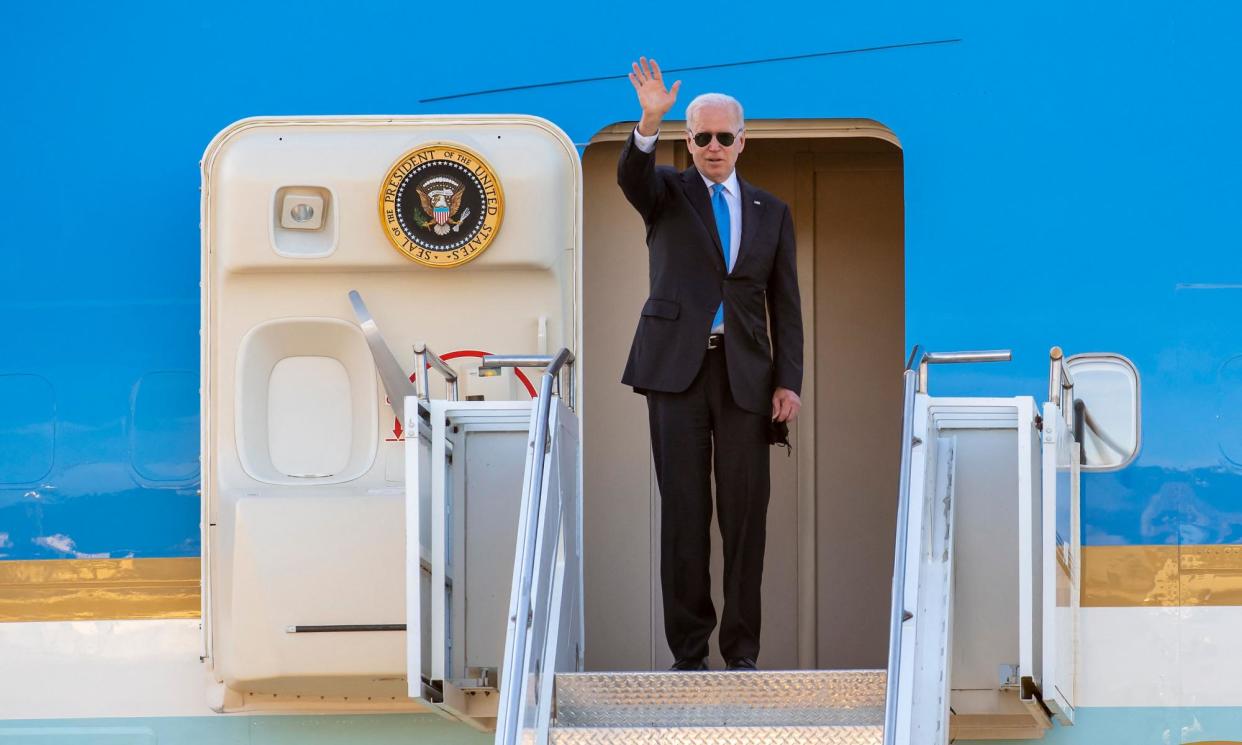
{"x":696,"y":192}
{"x":750,"y":219}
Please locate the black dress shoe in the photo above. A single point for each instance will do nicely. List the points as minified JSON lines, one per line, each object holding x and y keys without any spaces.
{"x":689,"y":664}
{"x":742,"y":663}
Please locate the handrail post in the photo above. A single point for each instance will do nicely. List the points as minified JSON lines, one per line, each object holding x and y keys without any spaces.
{"x":1054,"y":375}
{"x":429,"y":359}
{"x":420,"y":372}
{"x":1061,"y":383}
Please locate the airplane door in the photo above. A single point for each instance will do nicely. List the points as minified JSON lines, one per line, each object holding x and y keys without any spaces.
{"x":463,"y":235}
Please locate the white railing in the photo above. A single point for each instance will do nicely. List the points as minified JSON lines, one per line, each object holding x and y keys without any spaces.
{"x":899,"y":614}
{"x":915,"y":380}
{"x":544,"y":632}
{"x":545,"y":622}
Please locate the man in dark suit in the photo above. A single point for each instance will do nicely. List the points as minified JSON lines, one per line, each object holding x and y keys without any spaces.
{"x":722,"y":266}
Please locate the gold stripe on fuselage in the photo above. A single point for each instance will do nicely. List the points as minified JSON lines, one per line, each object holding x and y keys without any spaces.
{"x":99,"y":589}
{"x":1129,"y":576}
{"x":113,"y":589}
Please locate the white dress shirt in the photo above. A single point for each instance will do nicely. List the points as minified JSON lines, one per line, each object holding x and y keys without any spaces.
{"x":732,"y":196}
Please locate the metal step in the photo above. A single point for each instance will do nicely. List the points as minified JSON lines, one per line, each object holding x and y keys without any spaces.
{"x":873,"y":735}
{"x":703,"y":703}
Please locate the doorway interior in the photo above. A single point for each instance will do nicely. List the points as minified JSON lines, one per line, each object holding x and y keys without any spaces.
{"x":832,"y":516}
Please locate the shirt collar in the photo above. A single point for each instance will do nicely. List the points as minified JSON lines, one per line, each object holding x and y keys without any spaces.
{"x":730,"y":184}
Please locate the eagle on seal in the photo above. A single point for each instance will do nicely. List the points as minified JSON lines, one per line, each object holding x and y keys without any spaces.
{"x":441,"y":203}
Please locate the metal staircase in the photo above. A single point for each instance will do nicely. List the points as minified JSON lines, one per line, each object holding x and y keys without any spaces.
{"x":993,"y":455}
{"x":823,"y":707}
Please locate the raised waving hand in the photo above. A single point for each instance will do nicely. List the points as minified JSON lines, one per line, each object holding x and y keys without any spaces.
{"x":654,"y":98}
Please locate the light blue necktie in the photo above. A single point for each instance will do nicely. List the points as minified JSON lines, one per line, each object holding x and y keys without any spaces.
{"x":721,"y":208}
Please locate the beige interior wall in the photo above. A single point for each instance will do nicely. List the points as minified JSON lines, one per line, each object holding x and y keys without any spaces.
{"x":617,"y":476}
{"x":772,"y":165}
{"x":623,"y":611}
{"x":859,"y":331}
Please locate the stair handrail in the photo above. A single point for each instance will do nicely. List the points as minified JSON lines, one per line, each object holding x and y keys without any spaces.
{"x":946,"y":358}
{"x":497,"y":361}
{"x":899,"y":614}
{"x":514,"y":664}
{"x":915,"y":382}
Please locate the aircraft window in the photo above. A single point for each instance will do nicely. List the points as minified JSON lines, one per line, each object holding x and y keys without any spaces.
{"x":1228,"y":404}
{"x":164,"y":427}
{"x":306,"y":392}
{"x":1108,"y":387}
{"x":27,"y":428}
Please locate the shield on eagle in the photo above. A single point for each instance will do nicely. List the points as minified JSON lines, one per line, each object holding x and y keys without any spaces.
{"x":441,"y":199}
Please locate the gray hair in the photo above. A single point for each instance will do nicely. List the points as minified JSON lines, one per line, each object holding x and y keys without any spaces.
{"x":712,"y":100}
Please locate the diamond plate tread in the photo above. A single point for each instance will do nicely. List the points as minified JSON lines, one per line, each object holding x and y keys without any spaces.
{"x":721,"y":699}
{"x":873,"y":735}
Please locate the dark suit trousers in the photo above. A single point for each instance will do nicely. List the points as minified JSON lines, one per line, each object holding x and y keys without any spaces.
{"x":685,"y":428}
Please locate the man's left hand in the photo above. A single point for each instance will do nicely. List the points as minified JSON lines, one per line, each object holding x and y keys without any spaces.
{"x":785,"y":405}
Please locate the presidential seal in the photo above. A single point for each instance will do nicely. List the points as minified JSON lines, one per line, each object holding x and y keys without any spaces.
{"x":441,"y":205}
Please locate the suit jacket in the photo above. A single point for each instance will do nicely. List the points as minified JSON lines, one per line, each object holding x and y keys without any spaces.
{"x":688,"y":279}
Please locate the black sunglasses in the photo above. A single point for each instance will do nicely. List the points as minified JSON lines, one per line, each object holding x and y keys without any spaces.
{"x":703,"y":139}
